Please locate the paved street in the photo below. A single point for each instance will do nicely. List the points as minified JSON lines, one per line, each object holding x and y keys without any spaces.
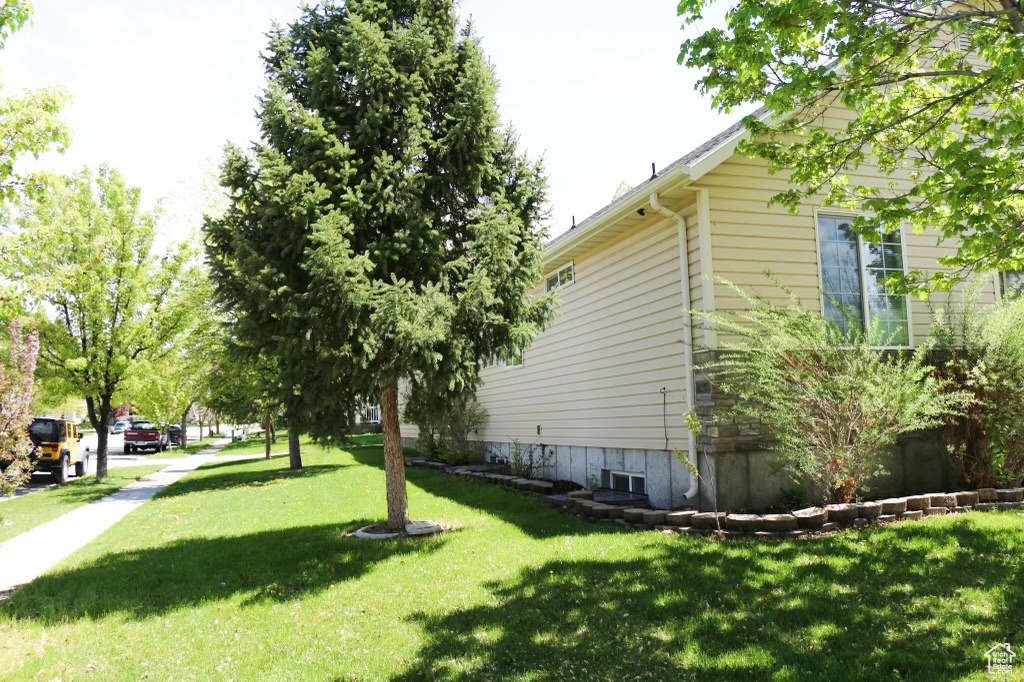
{"x":116,"y":457}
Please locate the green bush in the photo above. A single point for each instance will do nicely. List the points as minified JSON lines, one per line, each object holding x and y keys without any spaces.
{"x":444,"y":426}
{"x":982,"y":353}
{"x":831,"y":400}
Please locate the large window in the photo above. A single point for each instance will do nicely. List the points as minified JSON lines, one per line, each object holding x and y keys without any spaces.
{"x":853,"y":274}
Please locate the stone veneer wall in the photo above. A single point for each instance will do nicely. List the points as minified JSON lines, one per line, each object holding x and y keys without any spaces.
{"x":733,"y":455}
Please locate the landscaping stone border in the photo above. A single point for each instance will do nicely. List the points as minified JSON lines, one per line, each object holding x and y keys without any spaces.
{"x":798,"y":524}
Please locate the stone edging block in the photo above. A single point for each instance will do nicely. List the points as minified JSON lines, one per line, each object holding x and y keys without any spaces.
{"x":679,"y":518}
{"x":654,"y":517}
{"x":841,"y":513}
{"x":811,"y":517}
{"x":894,"y":506}
{"x":1010,"y":494}
{"x":706,"y":520}
{"x":779,"y":522}
{"x":918,"y":502}
{"x":802,"y":522}
{"x":745,"y":523}
{"x":869,"y":510}
{"x":968,"y":498}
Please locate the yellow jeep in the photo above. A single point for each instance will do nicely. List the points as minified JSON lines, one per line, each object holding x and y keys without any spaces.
{"x":57,"y":447}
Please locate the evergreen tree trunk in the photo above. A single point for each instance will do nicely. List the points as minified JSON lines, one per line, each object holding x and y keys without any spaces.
{"x":394,"y":463}
{"x":294,"y":453}
{"x":266,"y":435}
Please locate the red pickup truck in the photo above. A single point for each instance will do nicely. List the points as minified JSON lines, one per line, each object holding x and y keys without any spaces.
{"x":144,"y":436}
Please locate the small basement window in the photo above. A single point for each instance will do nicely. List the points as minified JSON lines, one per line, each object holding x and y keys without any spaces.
{"x":628,"y":482}
{"x":565,"y":275}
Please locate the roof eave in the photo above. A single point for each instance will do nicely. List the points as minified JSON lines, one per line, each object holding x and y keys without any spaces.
{"x":638,"y":197}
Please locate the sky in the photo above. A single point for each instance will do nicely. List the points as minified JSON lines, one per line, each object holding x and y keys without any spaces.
{"x":158,"y":88}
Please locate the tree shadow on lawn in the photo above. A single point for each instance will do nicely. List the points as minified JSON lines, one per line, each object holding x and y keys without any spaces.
{"x":534,"y":517}
{"x":85,"y":490}
{"x":896,"y":603}
{"x":275,"y":566}
{"x":198,"y":482}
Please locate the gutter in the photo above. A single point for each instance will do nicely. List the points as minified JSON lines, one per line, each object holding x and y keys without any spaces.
{"x":613,"y":212}
{"x":684,"y":280}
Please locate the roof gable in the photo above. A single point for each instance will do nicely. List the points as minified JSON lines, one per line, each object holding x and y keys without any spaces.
{"x":689,"y":167}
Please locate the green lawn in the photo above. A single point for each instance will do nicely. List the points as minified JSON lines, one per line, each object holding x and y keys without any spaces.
{"x":192,"y":448}
{"x":243,"y":571}
{"x":28,"y":511}
{"x":256,"y":446}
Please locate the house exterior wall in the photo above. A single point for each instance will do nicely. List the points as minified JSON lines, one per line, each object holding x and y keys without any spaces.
{"x":749,"y":238}
{"x":588,"y":397}
{"x":592,"y":380}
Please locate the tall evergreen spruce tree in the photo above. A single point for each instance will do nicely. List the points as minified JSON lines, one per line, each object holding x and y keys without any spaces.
{"x":386,"y":229}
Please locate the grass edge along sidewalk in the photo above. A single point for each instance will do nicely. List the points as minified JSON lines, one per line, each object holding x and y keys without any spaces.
{"x":30,"y":554}
{"x":22,"y":513}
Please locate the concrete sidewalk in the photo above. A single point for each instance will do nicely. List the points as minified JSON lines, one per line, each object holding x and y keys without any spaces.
{"x":25,"y":557}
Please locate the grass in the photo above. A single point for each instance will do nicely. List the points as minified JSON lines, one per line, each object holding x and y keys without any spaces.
{"x":192,"y":448}
{"x":256,"y":446}
{"x":243,"y":571}
{"x":28,"y":511}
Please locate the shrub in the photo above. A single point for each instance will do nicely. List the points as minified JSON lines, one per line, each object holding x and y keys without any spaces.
{"x":982,"y":353}
{"x":833,"y":402}
{"x":444,"y":426}
{"x":529,"y":461}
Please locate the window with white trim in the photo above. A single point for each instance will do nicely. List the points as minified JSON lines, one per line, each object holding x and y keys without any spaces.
{"x":627,"y":482}
{"x":1012,"y":283}
{"x":560,"y":278}
{"x":853,"y":274}
{"x":517,"y":360}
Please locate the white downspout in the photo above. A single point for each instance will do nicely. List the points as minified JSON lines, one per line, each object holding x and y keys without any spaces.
{"x":684,"y":280}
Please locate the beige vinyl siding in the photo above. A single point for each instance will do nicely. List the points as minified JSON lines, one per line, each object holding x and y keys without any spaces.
{"x":594,"y":376}
{"x":923,"y":253}
{"x":750,"y":238}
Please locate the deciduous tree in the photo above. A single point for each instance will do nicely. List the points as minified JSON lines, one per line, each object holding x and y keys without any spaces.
{"x":107,"y":305}
{"x":244,"y":386}
{"x":386,"y":228}
{"x":31,"y":125}
{"x":31,"y":121}
{"x":17,"y":370}
{"x":936,"y":86}
{"x":166,"y":388}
